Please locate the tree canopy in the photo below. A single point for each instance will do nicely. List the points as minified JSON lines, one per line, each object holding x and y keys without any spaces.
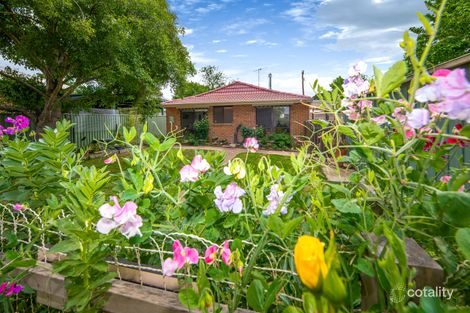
{"x":212,"y":77}
{"x":189,"y":88}
{"x":131,"y":43}
{"x":453,"y":37}
{"x":337,"y":83}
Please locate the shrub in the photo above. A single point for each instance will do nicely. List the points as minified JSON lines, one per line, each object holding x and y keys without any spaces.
{"x":280,"y":141}
{"x":257,"y":132}
{"x":201,"y":129}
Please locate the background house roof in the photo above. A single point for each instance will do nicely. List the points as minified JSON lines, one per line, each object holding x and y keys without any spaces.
{"x":238,"y":92}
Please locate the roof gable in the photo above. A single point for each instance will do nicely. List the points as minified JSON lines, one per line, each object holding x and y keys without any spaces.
{"x":238,"y":92}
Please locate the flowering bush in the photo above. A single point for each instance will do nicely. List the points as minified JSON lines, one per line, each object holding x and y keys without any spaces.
{"x":253,"y":235}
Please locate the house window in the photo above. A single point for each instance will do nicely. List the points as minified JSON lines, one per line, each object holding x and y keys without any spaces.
{"x":273,"y":119}
{"x":188,"y":117}
{"x":223,"y":115}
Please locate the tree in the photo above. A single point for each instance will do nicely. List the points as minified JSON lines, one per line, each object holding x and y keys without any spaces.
{"x":453,"y":37}
{"x":212,"y":77}
{"x":337,"y":83}
{"x":189,"y":88}
{"x":132,"y":43}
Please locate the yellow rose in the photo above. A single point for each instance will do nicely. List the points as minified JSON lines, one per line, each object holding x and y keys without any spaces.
{"x":309,"y":258}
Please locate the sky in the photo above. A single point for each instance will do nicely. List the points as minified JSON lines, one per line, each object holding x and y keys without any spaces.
{"x":321,"y":37}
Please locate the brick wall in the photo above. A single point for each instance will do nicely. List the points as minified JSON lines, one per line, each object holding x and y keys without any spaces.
{"x":299,"y":113}
{"x":173,"y":114}
{"x":242,"y":114}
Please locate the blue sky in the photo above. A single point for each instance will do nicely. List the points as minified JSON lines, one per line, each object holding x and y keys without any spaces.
{"x":322,"y":37}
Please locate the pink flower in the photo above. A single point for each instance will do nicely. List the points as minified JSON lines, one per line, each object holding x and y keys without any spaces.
{"x":452,"y":92}
{"x":200,"y":164}
{"x":184,"y":255}
{"x":229,"y":200}
{"x":274,"y":198}
{"x":357,"y":69}
{"x":18,"y":207}
{"x":189,"y":174}
{"x":379,"y":120}
{"x":418,"y":118}
{"x":409,"y":132}
{"x":12,"y":289}
{"x":442,"y":72}
{"x":446,"y":179}
{"x":400,"y":114}
{"x":110,"y":160}
{"x":211,"y":254}
{"x":3,"y":286}
{"x":226,"y":253}
{"x":169,"y":267}
{"x":251,"y":143}
{"x":125,"y":218}
{"x":21,"y":122}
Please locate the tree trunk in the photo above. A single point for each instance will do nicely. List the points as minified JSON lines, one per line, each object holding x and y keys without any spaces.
{"x":51,"y":112}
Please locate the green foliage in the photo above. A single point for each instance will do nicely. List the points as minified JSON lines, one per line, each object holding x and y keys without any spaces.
{"x":337,"y":83}
{"x":82,"y":41}
{"x":257,"y":132}
{"x":201,"y":129}
{"x":188,"y":88}
{"x":278,"y":141}
{"x":212,"y":77}
{"x":453,"y":38}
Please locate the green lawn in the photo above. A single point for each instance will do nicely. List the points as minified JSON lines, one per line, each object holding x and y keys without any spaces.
{"x":281,"y":161}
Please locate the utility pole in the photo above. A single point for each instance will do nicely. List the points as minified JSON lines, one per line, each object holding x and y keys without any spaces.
{"x":259,"y":71}
{"x":303,"y":83}
{"x":270,"y":81}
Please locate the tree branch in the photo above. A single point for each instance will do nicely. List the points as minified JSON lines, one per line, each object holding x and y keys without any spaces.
{"x":5,"y":74}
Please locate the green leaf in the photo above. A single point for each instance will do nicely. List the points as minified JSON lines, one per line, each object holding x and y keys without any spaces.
{"x":255,"y":295}
{"x":372,"y":132}
{"x":310,"y":304}
{"x":290,"y":226}
{"x":276,"y":224}
{"x":465,"y":131}
{"x":347,"y":131}
{"x":65,"y":246}
{"x":431,"y":305}
{"x":151,"y":140}
{"x":462,"y":236}
{"x":455,"y":207}
{"x":292,"y":309}
{"x":378,"y":79}
{"x":273,"y":290}
{"x":322,"y":123}
{"x":365,"y":267}
{"x":426,"y":24}
{"x":129,"y":135}
{"x":188,"y":298}
{"x":346,"y":206}
{"x":393,"y":78}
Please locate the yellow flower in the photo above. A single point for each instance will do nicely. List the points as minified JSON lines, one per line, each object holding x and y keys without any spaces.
{"x":309,"y":258}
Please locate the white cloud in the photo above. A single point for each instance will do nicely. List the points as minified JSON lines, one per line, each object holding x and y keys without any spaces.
{"x":188,"y":31}
{"x":373,"y":28}
{"x":216,"y":41}
{"x":299,"y":43}
{"x":221,"y":51}
{"x":239,"y":56}
{"x":261,"y":42}
{"x":243,"y":26}
{"x":209,"y":8}
{"x":251,"y":42}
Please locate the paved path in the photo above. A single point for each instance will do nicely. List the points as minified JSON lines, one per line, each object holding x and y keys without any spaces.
{"x":332,"y":174}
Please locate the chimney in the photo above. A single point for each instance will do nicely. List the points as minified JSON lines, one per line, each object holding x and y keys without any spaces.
{"x":270,"y":81}
{"x":303,"y":83}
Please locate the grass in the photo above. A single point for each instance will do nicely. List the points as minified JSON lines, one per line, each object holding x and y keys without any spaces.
{"x":281,"y":161}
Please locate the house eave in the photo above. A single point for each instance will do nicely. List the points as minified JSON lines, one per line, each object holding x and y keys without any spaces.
{"x":237,"y":103}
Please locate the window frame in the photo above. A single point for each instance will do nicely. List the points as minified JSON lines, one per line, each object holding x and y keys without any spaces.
{"x":225,"y":116}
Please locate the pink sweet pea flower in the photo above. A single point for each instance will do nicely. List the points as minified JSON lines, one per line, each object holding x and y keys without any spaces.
{"x":189,"y":174}
{"x":275,"y":196}
{"x":409,"y":132}
{"x":13,"y":290}
{"x":125,"y":218}
{"x":184,"y":255}
{"x":18,"y":207}
{"x":200,"y":164}
{"x":110,"y":160}
{"x":357,"y":69}
{"x":3,"y":286}
{"x":441,"y":72}
{"x":169,"y":267}
{"x":226,"y":253}
{"x":229,"y":200}
{"x":418,"y":118}
{"x":251,"y":143}
{"x":400,"y":114}
{"x":446,"y":179}
{"x":211,"y":254}
{"x":380,"y":120}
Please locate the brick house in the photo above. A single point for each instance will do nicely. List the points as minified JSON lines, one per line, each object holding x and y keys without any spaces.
{"x":240,"y":104}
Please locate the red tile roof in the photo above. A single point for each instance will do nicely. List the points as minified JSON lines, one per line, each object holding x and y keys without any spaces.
{"x":238,"y":92}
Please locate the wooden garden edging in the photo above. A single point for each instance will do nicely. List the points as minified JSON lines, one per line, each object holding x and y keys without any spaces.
{"x":138,"y":290}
